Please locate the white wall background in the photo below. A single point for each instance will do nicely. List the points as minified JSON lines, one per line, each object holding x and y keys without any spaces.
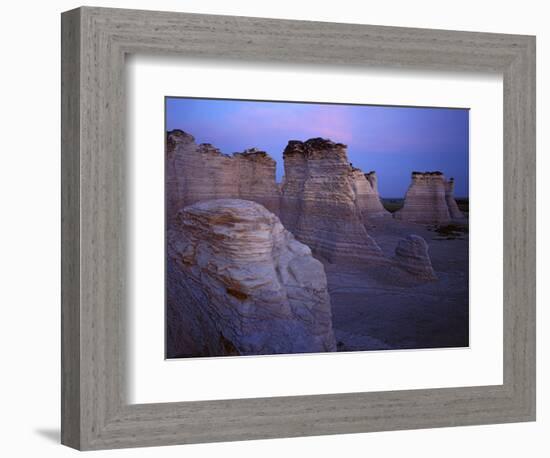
{"x":29,"y":227}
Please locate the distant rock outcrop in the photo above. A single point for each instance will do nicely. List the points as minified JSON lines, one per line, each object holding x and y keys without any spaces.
{"x":241,"y":284}
{"x":454,"y":211}
{"x":411,"y":254}
{"x":429,"y":200}
{"x":319,"y":201}
{"x":365,"y":186}
{"x":196,"y":173}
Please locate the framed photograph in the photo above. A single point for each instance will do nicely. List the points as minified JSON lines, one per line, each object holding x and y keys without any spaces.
{"x":277,"y":228}
{"x":308,"y":257}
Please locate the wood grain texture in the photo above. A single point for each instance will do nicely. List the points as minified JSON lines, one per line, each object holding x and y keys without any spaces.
{"x":70,"y":229}
{"x":96,"y":413}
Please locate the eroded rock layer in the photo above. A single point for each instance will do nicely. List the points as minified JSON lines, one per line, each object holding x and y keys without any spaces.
{"x":241,"y":284}
{"x":428,"y":200}
{"x":196,"y":173}
{"x":411,"y":254}
{"x":318,"y":202}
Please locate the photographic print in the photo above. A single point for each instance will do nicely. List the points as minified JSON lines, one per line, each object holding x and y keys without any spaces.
{"x":296,"y":227}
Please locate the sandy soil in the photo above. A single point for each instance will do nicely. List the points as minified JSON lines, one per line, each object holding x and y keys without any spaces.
{"x":381,"y":307}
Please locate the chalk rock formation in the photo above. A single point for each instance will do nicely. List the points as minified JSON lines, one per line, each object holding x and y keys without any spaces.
{"x":196,"y":173}
{"x":426,"y":200}
{"x":365,"y":186}
{"x":241,"y":284}
{"x":256,"y":178}
{"x":178,"y":143}
{"x":411,"y":254}
{"x":318,"y":203}
{"x":454,"y":211}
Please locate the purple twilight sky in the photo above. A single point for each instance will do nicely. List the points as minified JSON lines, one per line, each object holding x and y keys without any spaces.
{"x":394,"y":141}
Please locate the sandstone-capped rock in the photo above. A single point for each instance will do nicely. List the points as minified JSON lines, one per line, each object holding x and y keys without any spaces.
{"x":373,"y":180}
{"x":318,"y":203}
{"x":239,"y":283}
{"x":196,"y":173}
{"x":411,"y":254}
{"x":367,"y":199}
{"x":425,"y":201}
{"x":256,"y":178}
{"x":454,"y":211}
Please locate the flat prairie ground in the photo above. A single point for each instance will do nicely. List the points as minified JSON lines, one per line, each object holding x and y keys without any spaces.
{"x":381,"y":307}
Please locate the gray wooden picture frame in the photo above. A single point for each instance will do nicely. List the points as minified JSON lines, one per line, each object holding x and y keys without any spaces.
{"x":95,"y":411}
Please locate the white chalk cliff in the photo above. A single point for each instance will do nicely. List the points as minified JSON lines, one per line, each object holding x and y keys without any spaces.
{"x":429,"y":200}
{"x":454,"y":211}
{"x":367,"y":199}
{"x":195,"y":173}
{"x":319,"y":202}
